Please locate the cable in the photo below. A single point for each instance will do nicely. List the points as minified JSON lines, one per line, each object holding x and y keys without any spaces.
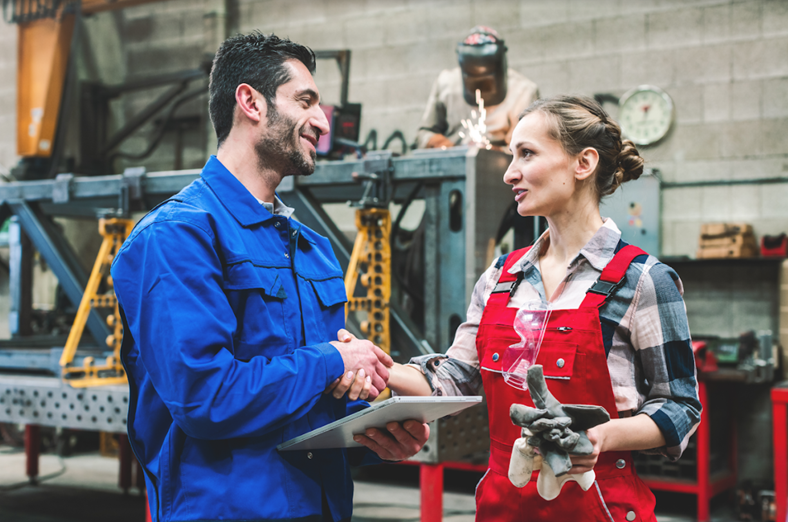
{"x":373,"y":137}
{"x":156,"y":141}
{"x":396,"y":135}
{"x":395,"y":231}
{"x":38,"y":480}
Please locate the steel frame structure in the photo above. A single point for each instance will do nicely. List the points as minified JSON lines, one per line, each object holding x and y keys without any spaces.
{"x":462,"y":190}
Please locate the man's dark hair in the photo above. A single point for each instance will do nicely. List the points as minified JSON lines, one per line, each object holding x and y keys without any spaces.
{"x":255,"y":59}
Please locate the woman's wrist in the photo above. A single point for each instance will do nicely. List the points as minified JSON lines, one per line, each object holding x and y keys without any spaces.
{"x":407,"y":380}
{"x":395,"y":377}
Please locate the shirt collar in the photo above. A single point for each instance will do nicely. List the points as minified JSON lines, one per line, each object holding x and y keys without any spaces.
{"x":236,"y":198}
{"x":277,"y":208}
{"x":599,"y":250}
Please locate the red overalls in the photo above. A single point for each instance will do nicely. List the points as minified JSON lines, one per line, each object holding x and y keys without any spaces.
{"x":575,"y":366}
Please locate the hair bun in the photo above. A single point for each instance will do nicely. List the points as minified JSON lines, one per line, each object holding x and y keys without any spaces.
{"x":629,"y":164}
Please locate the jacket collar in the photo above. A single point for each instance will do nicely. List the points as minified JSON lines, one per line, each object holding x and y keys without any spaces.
{"x":234,"y":196}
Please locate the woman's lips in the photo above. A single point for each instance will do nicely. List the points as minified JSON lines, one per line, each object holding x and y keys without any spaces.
{"x":520,"y":194}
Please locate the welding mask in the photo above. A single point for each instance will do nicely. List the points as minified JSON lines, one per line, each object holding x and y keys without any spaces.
{"x":482,"y":57}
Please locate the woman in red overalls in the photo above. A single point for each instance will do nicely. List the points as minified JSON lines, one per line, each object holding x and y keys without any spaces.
{"x":617,"y":336}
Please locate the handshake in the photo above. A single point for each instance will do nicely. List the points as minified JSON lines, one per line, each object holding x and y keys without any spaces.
{"x":366,"y":371}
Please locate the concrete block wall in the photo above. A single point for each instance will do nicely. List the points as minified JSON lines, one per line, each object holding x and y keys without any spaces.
{"x":159,"y":38}
{"x":8,"y":41}
{"x":722,"y":61}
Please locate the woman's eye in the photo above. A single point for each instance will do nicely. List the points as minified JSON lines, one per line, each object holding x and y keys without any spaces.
{"x":525,"y":153}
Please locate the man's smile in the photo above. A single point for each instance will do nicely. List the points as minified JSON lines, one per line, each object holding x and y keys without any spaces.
{"x":310,"y":139}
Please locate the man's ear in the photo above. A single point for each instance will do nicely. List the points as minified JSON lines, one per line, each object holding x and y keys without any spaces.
{"x":587,"y":160}
{"x":251,"y":103}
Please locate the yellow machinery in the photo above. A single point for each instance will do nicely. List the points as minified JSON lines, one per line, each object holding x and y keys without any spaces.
{"x":370,"y":262}
{"x":114,"y":231}
{"x":44,"y":44}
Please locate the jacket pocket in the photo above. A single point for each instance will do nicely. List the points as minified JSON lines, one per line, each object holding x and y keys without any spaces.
{"x":246,"y":276}
{"x":330,"y":292}
{"x":557,"y":360}
{"x":257,"y":297}
{"x":327,"y":306}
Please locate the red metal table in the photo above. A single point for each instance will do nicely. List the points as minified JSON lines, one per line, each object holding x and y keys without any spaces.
{"x":780,"y":440}
{"x":705,"y":486}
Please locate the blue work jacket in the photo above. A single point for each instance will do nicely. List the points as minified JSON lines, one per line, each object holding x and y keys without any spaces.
{"x":228,"y":311}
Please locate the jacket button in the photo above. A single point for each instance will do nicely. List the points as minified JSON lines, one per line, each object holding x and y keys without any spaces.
{"x":560,"y":363}
{"x":287,"y":255}
{"x":620,"y":463}
{"x":631,"y":516}
{"x":309,"y":455}
{"x":276,"y":224}
{"x":495,"y":357}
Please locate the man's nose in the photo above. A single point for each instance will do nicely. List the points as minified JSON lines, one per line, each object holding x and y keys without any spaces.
{"x":319,"y":121}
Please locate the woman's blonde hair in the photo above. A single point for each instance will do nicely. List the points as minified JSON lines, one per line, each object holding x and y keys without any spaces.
{"x":578,"y":122}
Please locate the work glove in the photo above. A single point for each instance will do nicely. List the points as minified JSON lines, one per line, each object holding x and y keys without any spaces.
{"x":551,"y":430}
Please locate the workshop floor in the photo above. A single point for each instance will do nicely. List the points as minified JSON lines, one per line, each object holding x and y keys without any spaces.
{"x":87,"y":491}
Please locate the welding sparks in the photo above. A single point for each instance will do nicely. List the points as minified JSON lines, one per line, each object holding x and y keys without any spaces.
{"x":477,"y":132}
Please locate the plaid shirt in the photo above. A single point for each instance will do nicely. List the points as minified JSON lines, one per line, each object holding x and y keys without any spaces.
{"x":644,"y":330}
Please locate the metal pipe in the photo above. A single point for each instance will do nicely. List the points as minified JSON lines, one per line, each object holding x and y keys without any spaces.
{"x":722,"y":182}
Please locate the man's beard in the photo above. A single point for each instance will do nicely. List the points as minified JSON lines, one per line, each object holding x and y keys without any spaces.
{"x":280,"y":150}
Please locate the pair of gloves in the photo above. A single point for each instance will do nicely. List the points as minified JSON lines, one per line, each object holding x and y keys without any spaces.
{"x":555,"y":430}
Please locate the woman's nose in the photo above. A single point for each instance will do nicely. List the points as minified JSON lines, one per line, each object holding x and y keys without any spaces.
{"x":511,"y":176}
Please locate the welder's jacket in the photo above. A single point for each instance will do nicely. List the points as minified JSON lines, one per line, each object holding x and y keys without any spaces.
{"x":227,"y":314}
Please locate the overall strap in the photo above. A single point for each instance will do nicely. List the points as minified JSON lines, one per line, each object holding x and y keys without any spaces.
{"x":612,"y":277}
{"x":507,"y":283}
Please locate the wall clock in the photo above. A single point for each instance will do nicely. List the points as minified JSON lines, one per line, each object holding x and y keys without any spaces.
{"x":645,"y":114}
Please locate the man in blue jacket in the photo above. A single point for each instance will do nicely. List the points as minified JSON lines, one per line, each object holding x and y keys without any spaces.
{"x":231,"y":310}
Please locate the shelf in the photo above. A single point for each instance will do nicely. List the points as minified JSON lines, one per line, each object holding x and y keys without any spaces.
{"x":684,"y":260}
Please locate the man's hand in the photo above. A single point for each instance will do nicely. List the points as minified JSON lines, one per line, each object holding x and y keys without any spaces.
{"x":437,"y":141}
{"x":360,"y":355}
{"x":396,"y":442}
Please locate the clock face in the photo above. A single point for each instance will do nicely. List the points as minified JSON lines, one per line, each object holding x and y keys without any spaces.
{"x":645,"y":114}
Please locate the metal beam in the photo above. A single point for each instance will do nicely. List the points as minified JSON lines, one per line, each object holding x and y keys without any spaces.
{"x":20,"y":278}
{"x":72,"y":282}
{"x":335,"y":178}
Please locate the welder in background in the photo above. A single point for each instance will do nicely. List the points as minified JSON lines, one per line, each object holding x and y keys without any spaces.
{"x":482,"y":65}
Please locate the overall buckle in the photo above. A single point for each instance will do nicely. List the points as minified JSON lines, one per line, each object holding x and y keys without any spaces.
{"x":605,"y":288}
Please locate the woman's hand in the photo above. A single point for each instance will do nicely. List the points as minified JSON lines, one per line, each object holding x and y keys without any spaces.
{"x":583,"y":463}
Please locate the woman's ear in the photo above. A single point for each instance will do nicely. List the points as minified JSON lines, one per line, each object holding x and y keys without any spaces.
{"x":587,"y":160}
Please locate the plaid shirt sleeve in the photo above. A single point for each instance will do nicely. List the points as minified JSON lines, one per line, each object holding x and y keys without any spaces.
{"x":458,"y":372}
{"x":660,"y":334}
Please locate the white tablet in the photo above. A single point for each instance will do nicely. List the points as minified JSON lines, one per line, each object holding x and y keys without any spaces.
{"x":339,"y":434}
